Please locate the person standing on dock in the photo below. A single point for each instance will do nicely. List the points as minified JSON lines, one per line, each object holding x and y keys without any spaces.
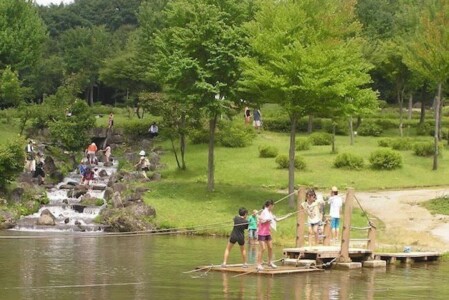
{"x":237,"y":236}
{"x":314,"y":209}
{"x":252,"y":228}
{"x":335,"y":203}
{"x":267,"y":221}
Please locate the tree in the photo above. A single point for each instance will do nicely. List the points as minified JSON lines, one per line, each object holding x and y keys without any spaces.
{"x":428,"y":54}
{"x":11,"y":92}
{"x":22,"y":34}
{"x":196,"y":57}
{"x":304,"y":64}
{"x":12,"y":156}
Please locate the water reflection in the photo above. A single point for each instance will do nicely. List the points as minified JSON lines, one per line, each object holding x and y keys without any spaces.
{"x":146,"y":267}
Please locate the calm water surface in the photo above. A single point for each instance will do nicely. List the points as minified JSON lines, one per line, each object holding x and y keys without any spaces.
{"x":152,"y":267}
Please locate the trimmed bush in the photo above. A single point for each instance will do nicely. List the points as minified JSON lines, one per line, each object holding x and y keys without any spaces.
{"x":423,"y":129}
{"x":234,"y":135}
{"x":341,"y":128}
{"x":136,"y":129}
{"x":369,"y":129}
{"x":320,"y":138}
{"x":282,"y":161}
{"x":349,"y":161}
{"x":426,"y":149}
{"x":199,"y":136}
{"x":302,"y":144}
{"x":268,"y":151}
{"x":384,"y":142}
{"x":402,"y":144}
{"x":385,"y":159}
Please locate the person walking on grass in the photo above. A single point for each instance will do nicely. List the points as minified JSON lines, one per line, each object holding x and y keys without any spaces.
{"x":335,"y":203}
{"x":257,"y":117}
{"x":237,"y":236}
{"x":252,"y":228}
{"x":314,"y":209}
{"x":267,"y":221}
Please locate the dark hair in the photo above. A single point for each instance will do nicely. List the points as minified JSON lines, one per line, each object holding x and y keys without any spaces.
{"x":243,"y":211}
{"x":311,"y":192}
{"x":268,"y":203}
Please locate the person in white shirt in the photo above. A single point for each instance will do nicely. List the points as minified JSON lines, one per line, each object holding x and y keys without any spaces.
{"x":314,"y":209}
{"x":335,"y":203}
{"x":154,"y":130}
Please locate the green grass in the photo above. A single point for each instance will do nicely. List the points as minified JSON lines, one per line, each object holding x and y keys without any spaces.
{"x":438,"y":205}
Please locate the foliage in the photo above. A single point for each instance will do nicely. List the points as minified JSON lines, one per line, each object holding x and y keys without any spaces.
{"x":320,"y":138}
{"x":11,"y":92}
{"x":303,"y":144}
{"x":385,"y":159}
{"x":22,"y":34}
{"x":349,"y":161}
{"x":235,"y":135}
{"x":283,"y":162}
{"x":402,"y":144}
{"x":424,"y":129}
{"x":386,"y":142}
{"x":426,"y":148}
{"x":12,"y":156}
{"x":136,"y":129}
{"x":369,"y":129}
{"x":438,"y":205}
{"x":268,"y":151}
{"x":72,"y":132}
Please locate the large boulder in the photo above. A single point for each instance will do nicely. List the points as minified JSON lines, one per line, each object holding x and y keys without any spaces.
{"x":7,"y":220}
{"x":79,"y":190}
{"x":108,"y":192}
{"x":128,"y":219}
{"x":46,"y":218}
{"x":17,"y":195}
{"x":117,"y":200}
{"x":119,"y":187}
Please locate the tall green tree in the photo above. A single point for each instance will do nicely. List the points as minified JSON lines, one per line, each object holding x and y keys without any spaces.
{"x":11,"y":91}
{"x":197,"y":57}
{"x":304,"y":64}
{"x":22,"y":34}
{"x":428,"y":54}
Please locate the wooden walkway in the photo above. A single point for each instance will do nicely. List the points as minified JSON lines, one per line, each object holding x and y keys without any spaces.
{"x":407,"y":258}
{"x":322,"y":254}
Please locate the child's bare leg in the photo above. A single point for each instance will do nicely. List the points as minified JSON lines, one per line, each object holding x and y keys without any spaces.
{"x":226,"y":253}
{"x":243,"y":251}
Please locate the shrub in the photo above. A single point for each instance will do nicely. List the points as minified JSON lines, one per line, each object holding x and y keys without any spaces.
{"x":12,"y":156}
{"x":268,"y":151}
{"x":423,"y":129}
{"x":387,"y":123}
{"x":349,"y":161}
{"x":235,"y":135}
{"x":282,"y":161}
{"x":426,"y":148}
{"x":369,"y":129}
{"x":302,"y":144}
{"x":384,"y":142}
{"x":199,"y":136}
{"x":341,"y":126}
{"x":402,"y":144}
{"x":320,"y":138}
{"x":385,"y":159}
{"x":136,"y":128}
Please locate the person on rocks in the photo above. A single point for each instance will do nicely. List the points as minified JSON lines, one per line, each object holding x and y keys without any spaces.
{"x":39,"y":173}
{"x":91,"y":152}
{"x":107,"y":153}
{"x":143,"y":165}
{"x":89,"y":176}
{"x":153,"y":131}
{"x":314,"y":209}
{"x":237,"y":236}
{"x":111,"y":120}
{"x":30,"y":163}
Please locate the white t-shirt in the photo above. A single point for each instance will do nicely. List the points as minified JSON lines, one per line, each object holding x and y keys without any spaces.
{"x":313,"y":211}
{"x":335,"y":203}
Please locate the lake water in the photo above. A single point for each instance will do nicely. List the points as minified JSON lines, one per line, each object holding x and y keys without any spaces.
{"x":78,"y":267}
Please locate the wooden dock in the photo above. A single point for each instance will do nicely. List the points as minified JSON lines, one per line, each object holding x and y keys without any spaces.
{"x":408,"y":258}
{"x":251,"y":269}
{"x":323,"y":254}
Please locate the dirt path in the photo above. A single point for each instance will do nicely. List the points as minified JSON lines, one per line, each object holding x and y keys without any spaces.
{"x":406,"y":223}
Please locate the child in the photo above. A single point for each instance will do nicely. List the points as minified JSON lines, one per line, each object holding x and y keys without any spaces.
{"x":252,"y":228}
{"x":237,"y":235}
{"x":143,"y":165}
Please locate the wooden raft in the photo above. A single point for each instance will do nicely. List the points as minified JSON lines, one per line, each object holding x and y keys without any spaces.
{"x":251,"y":269}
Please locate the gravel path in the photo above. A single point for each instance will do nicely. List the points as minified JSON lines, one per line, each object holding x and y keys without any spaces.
{"x":406,"y":223}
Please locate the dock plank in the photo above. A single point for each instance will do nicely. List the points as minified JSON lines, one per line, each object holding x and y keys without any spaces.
{"x":281,"y":269}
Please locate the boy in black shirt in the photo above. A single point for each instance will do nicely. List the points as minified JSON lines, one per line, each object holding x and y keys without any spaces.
{"x":238,"y":236}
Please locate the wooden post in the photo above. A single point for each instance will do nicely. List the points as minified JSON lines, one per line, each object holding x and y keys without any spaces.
{"x":327,"y":232}
{"x":300,"y":217}
{"x":371,"y":239}
{"x":345,"y":236}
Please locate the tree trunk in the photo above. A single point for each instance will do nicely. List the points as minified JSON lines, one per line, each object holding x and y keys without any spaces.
{"x":182,"y":141}
{"x":440,"y":115}
{"x":351,"y":132}
{"x":437,"y":126}
{"x":310,"y":125}
{"x":422,"y":116}
{"x":211,"y":163}
{"x":91,"y":95}
{"x":175,"y":152}
{"x":410,"y":106}
{"x":291,"y":161}
{"x":333,"y":136}
{"x":400,"y":97}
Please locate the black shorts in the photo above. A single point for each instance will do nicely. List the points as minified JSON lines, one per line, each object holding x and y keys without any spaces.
{"x":233,"y":240}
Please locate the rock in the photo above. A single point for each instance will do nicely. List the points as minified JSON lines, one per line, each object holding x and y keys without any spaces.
{"x":119,"y":187}
{"x":66,"y":220}
{"x":7,"y":220}
{"x":107,"y":164}
{"x":66,"y":187}
{"x":117,"y":200}
{"x":78,"y":223}
{"x":103,"y":173}
{"x":108,"y":193}
{"x":156,"y":176}
{"x":17,"y":195}
{"x":142,"y":189}
{"x":57,"y":176}
{"x":117,"y":139}
{"x":134,"y":197}
{"x":79,"y":191}
{"x":46,"y":218}
{"x":50,"y":166}
{"x":78,"y":208}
